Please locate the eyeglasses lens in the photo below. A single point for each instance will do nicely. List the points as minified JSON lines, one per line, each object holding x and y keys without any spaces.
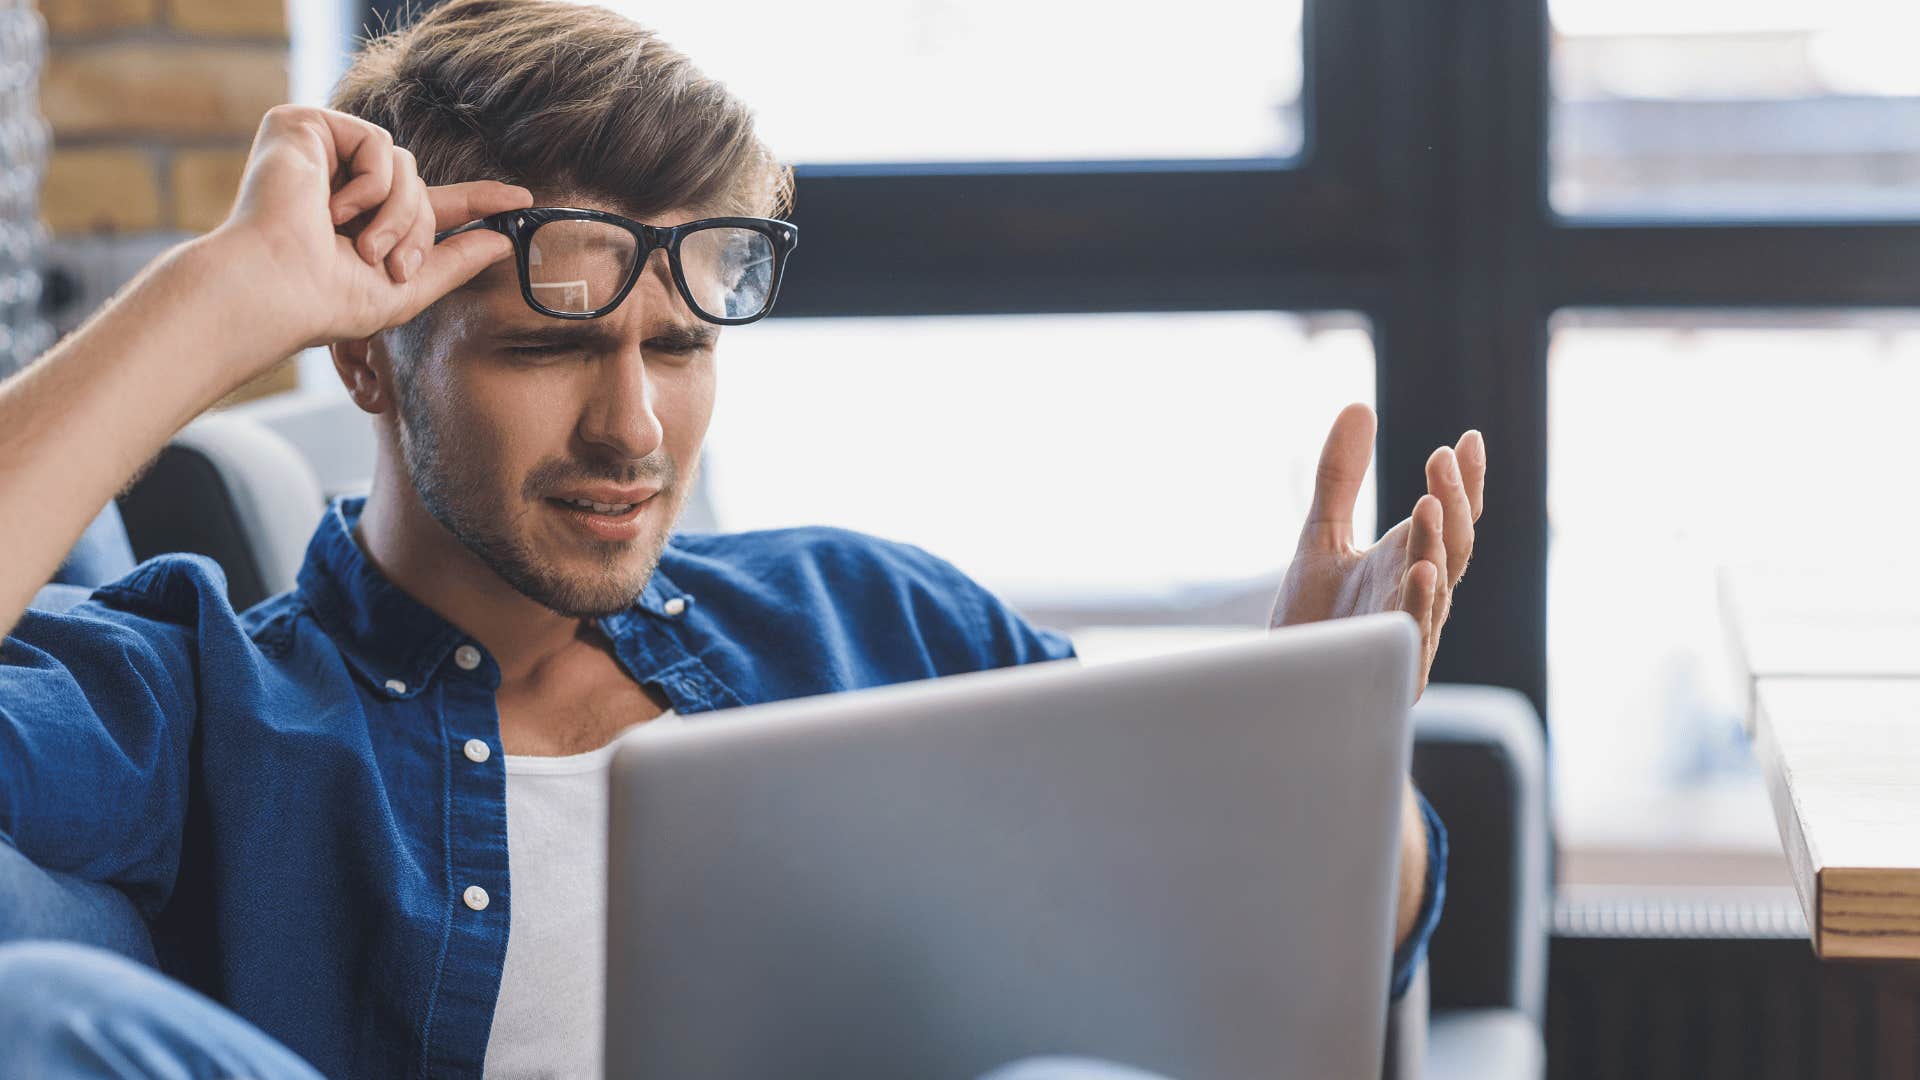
{"x":578,"y":266}
{"x":729,"y":271}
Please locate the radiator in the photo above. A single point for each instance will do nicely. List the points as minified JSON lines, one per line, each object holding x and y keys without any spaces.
{"x":1714,"y":984}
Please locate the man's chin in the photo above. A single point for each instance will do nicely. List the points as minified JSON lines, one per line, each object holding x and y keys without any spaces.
{"x":586,"y":598}
{"x":577,"y":584}
{"x":605,"y":579}
{"x":564,"y":571}
{"x":592,"y":611}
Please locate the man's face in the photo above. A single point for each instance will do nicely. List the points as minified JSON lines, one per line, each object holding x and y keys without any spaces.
{"x":560,"y":451}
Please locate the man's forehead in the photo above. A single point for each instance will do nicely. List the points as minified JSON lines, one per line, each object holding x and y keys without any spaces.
{"x":502,"y":278}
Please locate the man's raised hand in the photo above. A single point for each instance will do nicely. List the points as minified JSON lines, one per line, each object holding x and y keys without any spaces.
{"x":334,"y":227}
{"x":1414,"y":567}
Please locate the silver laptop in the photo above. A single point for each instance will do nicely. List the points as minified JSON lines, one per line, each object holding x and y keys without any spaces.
{"x":1185,"y":864}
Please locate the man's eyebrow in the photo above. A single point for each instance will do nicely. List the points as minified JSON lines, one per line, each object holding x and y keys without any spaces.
{"x":684,"y":337}
{"x":586,"y":335}
{"x":560,"y":333}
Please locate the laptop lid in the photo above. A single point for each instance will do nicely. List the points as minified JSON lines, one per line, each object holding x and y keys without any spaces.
{"x":1184,"y":863}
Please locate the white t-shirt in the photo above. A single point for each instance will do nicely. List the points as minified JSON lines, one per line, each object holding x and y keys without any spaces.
{"x":548,"y":1022}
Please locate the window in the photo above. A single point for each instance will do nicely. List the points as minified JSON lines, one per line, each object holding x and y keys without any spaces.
{"x":1734,"y":284}
{"x":1681,"y":443}
{"x":1094,"y":454}
{"x":1735,"y":108}
{"x":1001,"y":80}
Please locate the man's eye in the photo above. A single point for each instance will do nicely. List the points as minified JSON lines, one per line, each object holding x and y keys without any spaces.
{"x":534,"y":352}
{"x":682,"y":344}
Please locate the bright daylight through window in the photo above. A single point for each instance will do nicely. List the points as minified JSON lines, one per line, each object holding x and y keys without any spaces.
{"x":1001,"y":80}
{"x":1678,"y":445}
{"x":1736,"y":108}
{"x":1111,"y":454}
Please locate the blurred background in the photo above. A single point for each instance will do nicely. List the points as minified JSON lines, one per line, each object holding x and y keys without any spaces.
{"x":1080,"y":293}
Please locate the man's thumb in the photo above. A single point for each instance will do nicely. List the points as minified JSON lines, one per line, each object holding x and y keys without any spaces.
{"x":455,"y":261}
{"x":1343,"y":466}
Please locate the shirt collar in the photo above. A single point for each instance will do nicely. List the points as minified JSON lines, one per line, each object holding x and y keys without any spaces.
{"x":391,"y":639}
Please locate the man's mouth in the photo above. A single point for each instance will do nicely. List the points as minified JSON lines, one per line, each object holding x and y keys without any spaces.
{"x":600,"y":508}
{"x":612,"y":513}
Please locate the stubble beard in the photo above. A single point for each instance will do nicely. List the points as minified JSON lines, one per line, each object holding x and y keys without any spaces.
{"x":460,"y":501}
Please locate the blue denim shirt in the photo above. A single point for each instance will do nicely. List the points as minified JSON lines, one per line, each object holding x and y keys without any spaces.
{"x":284,"y":793}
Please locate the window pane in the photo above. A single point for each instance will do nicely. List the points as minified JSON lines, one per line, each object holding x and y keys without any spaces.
{"x":1736,"y":108}
{"x":1109,"y":454}
{"x":1678,"y":445}
{"x":1001,"y":80}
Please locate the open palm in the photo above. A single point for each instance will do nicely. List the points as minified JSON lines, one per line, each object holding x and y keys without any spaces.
{"x":1413,"y":568}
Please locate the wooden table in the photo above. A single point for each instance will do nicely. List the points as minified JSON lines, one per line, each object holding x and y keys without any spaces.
{"x":1833,"y":681}
{"x":1842,"y":762}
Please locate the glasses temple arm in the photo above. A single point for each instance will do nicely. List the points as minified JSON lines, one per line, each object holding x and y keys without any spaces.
{"x":470,"y":226}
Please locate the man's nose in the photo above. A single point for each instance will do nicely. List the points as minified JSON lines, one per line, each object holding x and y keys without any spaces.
{"x":619,"y":416}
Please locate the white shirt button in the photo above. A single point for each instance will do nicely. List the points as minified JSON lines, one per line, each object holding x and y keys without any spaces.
{"x":478,"y":750}
{"x":476,"y":897}
{"x":467,"y":657}
{"x":675,"y":606}
{"x":396,"y":686}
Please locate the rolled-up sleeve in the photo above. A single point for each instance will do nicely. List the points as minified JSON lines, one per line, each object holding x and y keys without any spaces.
{"x":1407,"y":957}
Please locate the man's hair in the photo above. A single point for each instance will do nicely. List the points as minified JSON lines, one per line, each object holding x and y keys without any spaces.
{"x":567,"y":100}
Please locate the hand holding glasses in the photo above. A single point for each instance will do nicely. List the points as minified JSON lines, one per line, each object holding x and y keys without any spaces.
{"x":580,"y":264}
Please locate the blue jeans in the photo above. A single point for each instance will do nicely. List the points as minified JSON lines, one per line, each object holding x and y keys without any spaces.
{"x":69,"y":1011}
{"x":74,"y":1010}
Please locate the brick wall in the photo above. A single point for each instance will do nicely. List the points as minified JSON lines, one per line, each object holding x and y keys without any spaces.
{"x":153,"y":104}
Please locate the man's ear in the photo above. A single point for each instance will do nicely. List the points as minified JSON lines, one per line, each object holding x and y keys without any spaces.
{"x":368,"y":378}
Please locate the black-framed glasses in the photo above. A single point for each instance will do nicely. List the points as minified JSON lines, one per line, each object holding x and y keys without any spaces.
{"x":579,"y":264}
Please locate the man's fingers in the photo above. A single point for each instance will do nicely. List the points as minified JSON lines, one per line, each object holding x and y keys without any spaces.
{"x":1426,"y":539}
{"x":389,"y":224}
{"x":456,"y":204}
{"x":1472,"y":452}
{"x":1419,"y":595}
{"x":1445,"y":482}
{"x":453,"y":262}
{"x":367,"y":150}
{"x":1343,"y":465}
{"x":1425,"y":590}
{"x":1425,"y":601}
{"x":405,"y":259}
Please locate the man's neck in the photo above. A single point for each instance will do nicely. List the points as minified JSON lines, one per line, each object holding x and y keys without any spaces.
{"x":414,"y":552}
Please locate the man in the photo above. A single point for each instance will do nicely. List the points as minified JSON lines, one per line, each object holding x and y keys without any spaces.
{"x":316,"y":803}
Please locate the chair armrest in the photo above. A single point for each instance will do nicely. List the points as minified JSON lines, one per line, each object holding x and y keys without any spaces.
{"x":39,"y":903}
{"x":1480,"y":758}
{"x":1485,"y":1044}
